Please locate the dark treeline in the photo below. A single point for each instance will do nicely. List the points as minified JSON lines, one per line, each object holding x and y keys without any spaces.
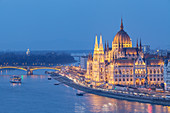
{"x":48,"y":59}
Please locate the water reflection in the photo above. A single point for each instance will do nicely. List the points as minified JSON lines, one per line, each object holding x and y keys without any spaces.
{"x":15,"y":84}
{"x":43,"y":91}
{"x":79,"y":108}
{"x":104,"y":104}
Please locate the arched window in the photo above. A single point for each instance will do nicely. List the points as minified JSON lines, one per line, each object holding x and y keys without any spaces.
{"x":144,"y":71}
{"x":119,"y":71}
{"x":158,"y":71}
{"x":138,"y":71}
{"x":154,"y":71}
{"x":123,"y":71}
{"x":151,"y":71}
{"x":127,"y":71}
{"x":131,"y":71}
{"x":116,"y":71}
{"x":162,"y":70}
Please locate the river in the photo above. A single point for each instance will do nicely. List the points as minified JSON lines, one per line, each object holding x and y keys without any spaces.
{"x":37,"y":94}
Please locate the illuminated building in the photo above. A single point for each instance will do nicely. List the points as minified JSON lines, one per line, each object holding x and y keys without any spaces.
{"x":167,"y":76}
{"x":122,"y":64}
{"x":28,"y":52}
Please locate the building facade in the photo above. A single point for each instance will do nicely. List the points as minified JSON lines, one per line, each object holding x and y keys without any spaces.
{"x":122,"y":63}
{"x":167,"y":76}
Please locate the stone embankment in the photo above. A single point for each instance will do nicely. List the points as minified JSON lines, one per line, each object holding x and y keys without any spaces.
{"x":111,"y":94}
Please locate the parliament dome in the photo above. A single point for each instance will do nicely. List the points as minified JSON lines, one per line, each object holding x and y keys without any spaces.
{"x":121,"y":38}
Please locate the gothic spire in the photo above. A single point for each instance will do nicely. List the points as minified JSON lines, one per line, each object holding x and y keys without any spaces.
{"x":96,"y":44}
{"x":140,"y":45}
{"x":101,"y":44}
{"x":100,"y":39}
{"x":121,"y":27}
{"x":107,"y":45}
{"x":137,"y":44}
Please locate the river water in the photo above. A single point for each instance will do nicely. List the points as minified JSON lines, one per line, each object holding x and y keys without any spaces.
{"x":37,"y":94}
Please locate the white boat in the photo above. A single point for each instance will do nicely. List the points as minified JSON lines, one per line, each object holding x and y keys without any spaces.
{"x":15,"y":79}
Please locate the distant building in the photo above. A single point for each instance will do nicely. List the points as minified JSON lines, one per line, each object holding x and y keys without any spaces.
{"x":28,"y":52}
{"x":159,"y":52}
{"x":83,"y":62}
{"x":168,"y":54}
{"x":167,"y":75}
{"x":146,"y":48}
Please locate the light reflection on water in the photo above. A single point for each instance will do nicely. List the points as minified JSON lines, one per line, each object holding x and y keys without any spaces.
{"x":15,"y":84}
{"x":38,"y":94}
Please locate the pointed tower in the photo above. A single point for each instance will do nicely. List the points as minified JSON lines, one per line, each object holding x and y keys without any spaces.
{"x":121,"y":26}
{"x":137,"y":44}
{"x":96,"y":44}
{"x":107,"y":45}
{"x":101,"y":45}
{"x":96,"y":50}
{"x":140,"y":45}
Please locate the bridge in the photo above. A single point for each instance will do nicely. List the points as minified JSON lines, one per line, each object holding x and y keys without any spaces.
{"x":30,"y":69}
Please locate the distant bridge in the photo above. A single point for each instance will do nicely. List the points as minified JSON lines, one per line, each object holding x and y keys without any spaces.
{"x":30,"y":69}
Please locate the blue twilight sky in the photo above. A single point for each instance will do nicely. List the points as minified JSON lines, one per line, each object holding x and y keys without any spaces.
{"x":72,"y":24}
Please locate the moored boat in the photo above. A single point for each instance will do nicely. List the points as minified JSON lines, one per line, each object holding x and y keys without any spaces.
{"x":15,"y":79}
{"x":79,"y":94}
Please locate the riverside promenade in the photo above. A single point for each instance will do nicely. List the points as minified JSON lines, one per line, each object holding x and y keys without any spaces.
{"x":110,"y":93}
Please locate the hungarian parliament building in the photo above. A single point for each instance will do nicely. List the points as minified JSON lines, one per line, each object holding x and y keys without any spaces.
{"x":123,"y":64}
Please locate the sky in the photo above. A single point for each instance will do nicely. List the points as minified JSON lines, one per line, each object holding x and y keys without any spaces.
{"x":73,"y":24}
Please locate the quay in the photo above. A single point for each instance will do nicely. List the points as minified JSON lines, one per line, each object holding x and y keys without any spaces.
{"x":123,"y":95}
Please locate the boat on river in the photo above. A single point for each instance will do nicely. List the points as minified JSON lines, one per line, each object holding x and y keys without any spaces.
{"x":15,"y":79}
{"x":79,"y":94}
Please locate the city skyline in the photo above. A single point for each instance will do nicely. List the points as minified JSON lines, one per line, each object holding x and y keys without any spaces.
{"x":72,"y":25}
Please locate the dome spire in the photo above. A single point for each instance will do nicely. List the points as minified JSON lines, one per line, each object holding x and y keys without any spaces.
{"x":137,"y":44}
{"x":121,"y":27}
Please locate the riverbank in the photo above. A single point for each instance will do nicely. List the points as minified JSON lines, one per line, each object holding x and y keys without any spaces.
{"x":111,"y":93}
{"x":35,"y":59}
